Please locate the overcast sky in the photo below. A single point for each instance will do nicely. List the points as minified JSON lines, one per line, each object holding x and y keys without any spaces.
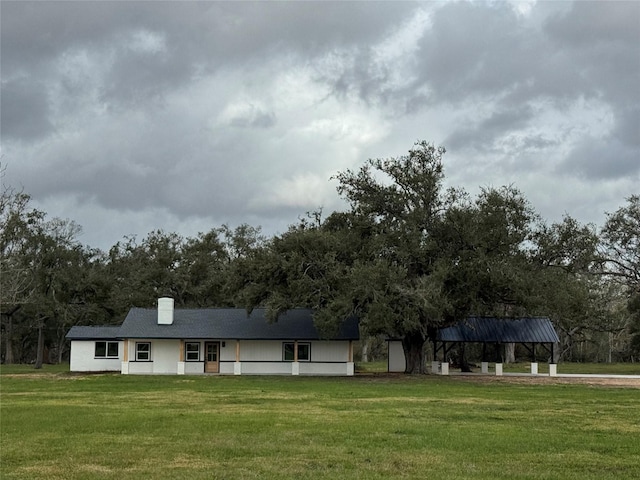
{"x":128,"y":117}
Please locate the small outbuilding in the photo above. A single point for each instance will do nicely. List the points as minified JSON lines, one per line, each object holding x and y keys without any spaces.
{"x":492,"y":333}
{"x":225,"y":341}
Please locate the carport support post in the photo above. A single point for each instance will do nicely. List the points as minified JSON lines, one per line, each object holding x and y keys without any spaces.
{"x":498,"y":360}
{"x":534,"y":362}
{"x":485,"y":365}
{"x":435,"y":367}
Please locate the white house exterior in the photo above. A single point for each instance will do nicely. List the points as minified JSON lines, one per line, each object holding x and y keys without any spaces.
{"x":213,"y":341}
{"x":96,"y":349}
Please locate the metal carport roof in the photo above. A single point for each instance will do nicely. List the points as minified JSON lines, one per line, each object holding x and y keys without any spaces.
{"x":500,"y":330}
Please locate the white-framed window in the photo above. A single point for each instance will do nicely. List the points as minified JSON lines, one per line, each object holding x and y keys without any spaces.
{"x":192,"y":351}
{"x":304,"y":352}
{"x":143,"y":351}
{"x":106,"y":349}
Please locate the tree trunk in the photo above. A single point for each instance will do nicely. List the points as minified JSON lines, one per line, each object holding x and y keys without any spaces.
{"x":40,"y":351}
{"x":510,"y":353}
{"x":365,"y":350}
{"x":61,"y":348}
{"x":464,"y":366}
{"x":8,"y":341}
{"x":413,"y":346}
{"x":555,"y":353}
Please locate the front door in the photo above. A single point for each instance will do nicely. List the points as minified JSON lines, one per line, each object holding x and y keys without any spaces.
{"x":211,"y":357}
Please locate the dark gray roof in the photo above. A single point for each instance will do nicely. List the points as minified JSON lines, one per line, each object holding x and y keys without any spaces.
{"x":230,"y":323}
{"x":501,"y":330}
{"x":79,"y":332}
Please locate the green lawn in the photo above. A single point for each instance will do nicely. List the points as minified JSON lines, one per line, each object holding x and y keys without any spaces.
{"x":57,"y":425}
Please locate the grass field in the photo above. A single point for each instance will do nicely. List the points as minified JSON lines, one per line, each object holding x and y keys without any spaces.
{"x":57,"y":425}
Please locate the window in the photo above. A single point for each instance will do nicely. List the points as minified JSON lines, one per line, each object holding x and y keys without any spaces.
{"x":192,"y":352}
{"x":304,"y":352}
{"x":288,"y":352}
{"x":143,"y":352}
{"x":106,"y":350}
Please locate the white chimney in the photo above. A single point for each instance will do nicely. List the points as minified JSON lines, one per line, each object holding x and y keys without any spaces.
{"x":165,"y":311}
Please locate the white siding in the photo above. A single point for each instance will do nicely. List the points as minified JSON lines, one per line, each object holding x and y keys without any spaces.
{"x":228,"y":352}
{"x":82,"y":358}
{"x":265,"y":368}
{"x":329,"y":351}
{"x":140,"y":368}
{"x":312,"y":368}
{"x":226,"y":368}
{"x":165,"y":355}
{"x":260,"y":350}
{"x":397,"y":361}
{"x":193,"y":368}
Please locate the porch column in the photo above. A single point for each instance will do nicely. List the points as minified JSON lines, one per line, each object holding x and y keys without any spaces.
{"x":181,"y":358}
{"x":124,"y":369}
{"x":237,"y":367}
{"x":350,"y":364}
{"x":295,"y":367}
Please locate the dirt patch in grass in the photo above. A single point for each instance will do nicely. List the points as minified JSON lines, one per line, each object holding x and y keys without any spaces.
{"x":541,"y":380}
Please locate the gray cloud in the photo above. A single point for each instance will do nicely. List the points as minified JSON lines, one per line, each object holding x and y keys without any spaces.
{"x":602,"y":159}
{"x":627,"y":127}
{"x":25,"y":110}
{"x":203,"y":112}
{"x":611,"y":22}
{"x":482,"y":134}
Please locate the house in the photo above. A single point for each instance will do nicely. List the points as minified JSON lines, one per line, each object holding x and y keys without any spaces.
{"x":492,"y":333}
{"x":225,"y":341}
{"x":95,"y":349}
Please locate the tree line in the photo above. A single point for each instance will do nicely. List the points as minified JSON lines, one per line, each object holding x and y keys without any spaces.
{"x":407,"y":256}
